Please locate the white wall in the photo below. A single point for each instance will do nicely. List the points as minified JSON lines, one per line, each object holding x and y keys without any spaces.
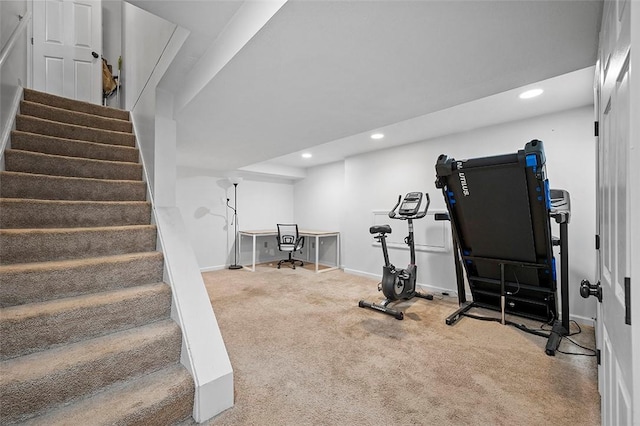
{"x":144,"y":37}
{"x":374,"y":180}
{"x":319,"y":203}
{"x":13,"y":73}
{"x":149,"y":45}
{"x":202,"y":199}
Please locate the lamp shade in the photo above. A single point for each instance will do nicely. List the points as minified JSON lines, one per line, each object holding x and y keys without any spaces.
{"x":235,"y":180}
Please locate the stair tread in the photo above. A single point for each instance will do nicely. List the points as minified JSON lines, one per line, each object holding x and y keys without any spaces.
{"x":72,"y":202}
{"x":73,"y":105}
{"x":37,"y":125}
{"x":57,"y":146}
{"x":52,"y":307}
{"x":54,"y":279}
{"x":72,"y":263}
{"x":39,"y":186}
{"x":41,"y":325}
{"x":20,"y":213}
{"x":61,"y":165}
{"x":10,"y":173}
{"x":44,"y":155}
{"x":130,"y":400}
{"x":105,"y":131}
{"x":34,"y":383}
{"x":41,"y":244}
{"x":36,"y":231}
{"x":68,"y":116}
{"x":40,"y":364}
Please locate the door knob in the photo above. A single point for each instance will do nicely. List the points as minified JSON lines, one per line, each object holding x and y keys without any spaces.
{"x":587,"y":289}
{"x":95,"y":55}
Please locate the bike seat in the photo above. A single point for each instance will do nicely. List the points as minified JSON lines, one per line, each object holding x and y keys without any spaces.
{"x":380,"y":229}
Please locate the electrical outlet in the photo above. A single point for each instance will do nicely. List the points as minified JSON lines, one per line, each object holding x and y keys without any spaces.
{"x":313,"y":245}
{"x":266,"y":244}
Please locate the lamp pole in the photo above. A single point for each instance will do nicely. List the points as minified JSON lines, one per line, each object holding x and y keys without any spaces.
{"x":235,"y":221}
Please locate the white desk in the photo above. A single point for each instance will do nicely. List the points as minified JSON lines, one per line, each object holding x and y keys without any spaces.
{"x":306,"y":233}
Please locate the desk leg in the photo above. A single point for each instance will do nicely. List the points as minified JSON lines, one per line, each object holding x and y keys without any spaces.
{"x":253,"y":254}
{"x":317,"y":251}
{"x":337,"y":266}
{"x":337,"y":251}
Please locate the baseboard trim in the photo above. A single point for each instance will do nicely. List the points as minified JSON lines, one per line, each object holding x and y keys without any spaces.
{"x":361,"y":273}
{"x":425,"y":287}
{"x":213,"y":268}
{"x":582,"y":320}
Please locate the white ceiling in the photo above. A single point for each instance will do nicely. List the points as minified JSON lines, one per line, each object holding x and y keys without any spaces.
{"x":564,"y":92}
{"x":321,"y":75}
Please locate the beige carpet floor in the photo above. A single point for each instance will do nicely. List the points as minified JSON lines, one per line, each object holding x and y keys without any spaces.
{"x":303,"y":353}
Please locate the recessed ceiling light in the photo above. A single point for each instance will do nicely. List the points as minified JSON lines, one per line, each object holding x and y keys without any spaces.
{"x":531,"y":93}
{"x":377,"y":136}
{"x":306,"y":155}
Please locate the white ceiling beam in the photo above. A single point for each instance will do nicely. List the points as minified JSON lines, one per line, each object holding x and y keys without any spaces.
{"x":265,"y":168}
{"x":245,"y":24}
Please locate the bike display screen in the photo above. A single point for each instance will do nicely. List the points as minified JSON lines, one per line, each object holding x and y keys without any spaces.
{"x":411,"y":204}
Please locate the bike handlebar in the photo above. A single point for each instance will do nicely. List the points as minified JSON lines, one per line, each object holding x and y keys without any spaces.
{"x":392,"y":213}
{"x":419,"y":215}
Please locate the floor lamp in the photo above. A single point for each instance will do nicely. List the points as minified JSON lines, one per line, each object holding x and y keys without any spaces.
{"x":234,"y":221}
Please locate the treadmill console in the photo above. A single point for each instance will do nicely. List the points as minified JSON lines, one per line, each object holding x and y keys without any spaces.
{"x":410,"y":204}
{"x":560,"y":205}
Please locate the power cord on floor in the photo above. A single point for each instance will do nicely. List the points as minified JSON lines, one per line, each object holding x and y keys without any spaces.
{"x":592,"y":352}
{"x":542,"y":332}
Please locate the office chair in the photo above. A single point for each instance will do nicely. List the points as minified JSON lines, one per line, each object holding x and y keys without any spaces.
{"x":289,"y":241}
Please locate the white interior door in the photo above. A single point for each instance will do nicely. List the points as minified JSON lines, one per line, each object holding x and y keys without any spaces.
{"x":615,"y":332}
{"x":66,"y":33}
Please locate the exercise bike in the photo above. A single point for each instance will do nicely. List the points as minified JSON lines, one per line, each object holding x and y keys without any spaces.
{"x":399,"y":284}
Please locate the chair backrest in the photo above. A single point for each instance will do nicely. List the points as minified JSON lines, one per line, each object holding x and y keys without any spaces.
{"x":288,"y":237}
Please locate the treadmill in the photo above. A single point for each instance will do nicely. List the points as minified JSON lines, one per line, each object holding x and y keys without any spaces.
{"x":500,"y":208}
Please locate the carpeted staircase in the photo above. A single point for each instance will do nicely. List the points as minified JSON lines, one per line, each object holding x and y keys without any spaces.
{"x":85,"y":332}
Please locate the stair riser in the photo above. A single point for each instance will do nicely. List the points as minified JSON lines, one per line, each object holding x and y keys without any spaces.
{"x":95,"y":368}
{"x":74,"y":117}
{"x":29,"y":124}
{"x":41,"y":282}
{"x":27,"y":329}
{"x":71,"y":148}
{"x":16,"y":185}
{"x":16,"y":214}
{"x":42,"y":246}
{"x":55,"y":165}
{"x":73,"y":105}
